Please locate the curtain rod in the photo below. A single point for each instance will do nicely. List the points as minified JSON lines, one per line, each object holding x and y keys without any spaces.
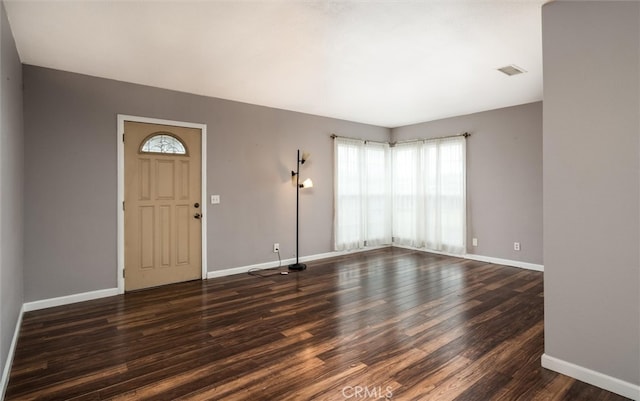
{"x":464,"y":134}
{"x":333,"y":136}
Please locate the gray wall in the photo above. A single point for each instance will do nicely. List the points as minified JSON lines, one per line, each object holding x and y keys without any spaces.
{"x":11,"y":184}
{"x":70,"y":172}
{"x":504,"y":177}
{"x":592,"y":185}
{"x":70,"y":139}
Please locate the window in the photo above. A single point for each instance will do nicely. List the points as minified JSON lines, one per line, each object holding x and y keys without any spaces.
{"x":377,"y":199}
{"x":163,"y":142}
{"x":414,"y":192}
{"x":429,"y":194}
{"x":362,"y":201}
{"x":405,"y":181}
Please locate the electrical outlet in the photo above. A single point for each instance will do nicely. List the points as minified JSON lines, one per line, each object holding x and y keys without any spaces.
{"x":474,"y":241}
{"x":276,"y":247}
{"x":516,"y":246}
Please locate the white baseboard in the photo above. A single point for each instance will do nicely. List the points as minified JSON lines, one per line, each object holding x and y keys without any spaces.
{"x":12,"y":350}
{"x":268,"y":265}
{"x":286,"y":262}
{"x":87,"y":296}
{"x":592,"y":377}
{"x":413,"y":248}
{"x":69,"y":299}
{"x":480,"y":258}
{"x":506,"y":262}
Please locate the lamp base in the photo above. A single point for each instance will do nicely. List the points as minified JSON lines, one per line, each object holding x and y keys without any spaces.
{"x":297,"y":266}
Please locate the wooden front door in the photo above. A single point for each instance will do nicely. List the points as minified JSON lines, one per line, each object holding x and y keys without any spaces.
{"x":162,"y":204}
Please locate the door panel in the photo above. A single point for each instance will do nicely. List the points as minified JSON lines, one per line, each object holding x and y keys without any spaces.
{"x":184,"y":172}
{"x":165,"y":236}
{"x":183,"y":217}
{"x":145,"y":179}
{"x":165,"y":180}
{"x":162,"y":235}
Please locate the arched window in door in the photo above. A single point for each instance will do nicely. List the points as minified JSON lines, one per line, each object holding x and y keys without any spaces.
{"x":163,"y":142}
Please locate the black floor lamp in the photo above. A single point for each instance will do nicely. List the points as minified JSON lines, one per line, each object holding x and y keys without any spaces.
{"x":305,"y":184}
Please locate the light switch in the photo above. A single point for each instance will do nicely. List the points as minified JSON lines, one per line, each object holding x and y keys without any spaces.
{"x":215,"y":199}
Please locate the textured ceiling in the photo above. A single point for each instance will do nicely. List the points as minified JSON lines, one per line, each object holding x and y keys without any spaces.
{"x":387,"y":63}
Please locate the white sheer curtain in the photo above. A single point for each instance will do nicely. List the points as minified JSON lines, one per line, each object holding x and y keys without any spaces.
{"x":377,"y":199}
{"x":362,"y":194}
{"x":406,"y":185}
{"x":429,"y":194}
{"x":413,"y":194}
{"x":348,"y":194}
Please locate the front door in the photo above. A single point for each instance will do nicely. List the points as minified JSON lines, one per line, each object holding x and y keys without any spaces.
{"x":162,"y":169}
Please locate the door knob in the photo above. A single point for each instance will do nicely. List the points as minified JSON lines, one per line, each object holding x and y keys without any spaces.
{"x":197,"y":216}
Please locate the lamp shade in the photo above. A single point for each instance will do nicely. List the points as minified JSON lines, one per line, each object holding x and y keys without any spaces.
{"x":307,"y":183}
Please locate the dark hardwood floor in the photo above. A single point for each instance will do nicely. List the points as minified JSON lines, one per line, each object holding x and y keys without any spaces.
{"x":390,"y":323}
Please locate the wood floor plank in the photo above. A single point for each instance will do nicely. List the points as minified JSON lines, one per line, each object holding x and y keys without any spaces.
{"x":391,"y":322}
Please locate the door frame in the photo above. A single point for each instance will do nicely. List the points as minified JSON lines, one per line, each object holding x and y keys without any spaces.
{"x":122,"y":118}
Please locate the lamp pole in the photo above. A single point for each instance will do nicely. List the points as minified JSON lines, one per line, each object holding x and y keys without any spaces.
{"x":297,"y":265}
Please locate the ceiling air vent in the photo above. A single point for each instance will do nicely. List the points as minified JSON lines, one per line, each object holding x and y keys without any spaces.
{"x":511,"y":70}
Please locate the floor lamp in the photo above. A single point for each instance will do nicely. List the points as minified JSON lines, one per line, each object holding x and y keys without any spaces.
{"x":305,"y":184}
